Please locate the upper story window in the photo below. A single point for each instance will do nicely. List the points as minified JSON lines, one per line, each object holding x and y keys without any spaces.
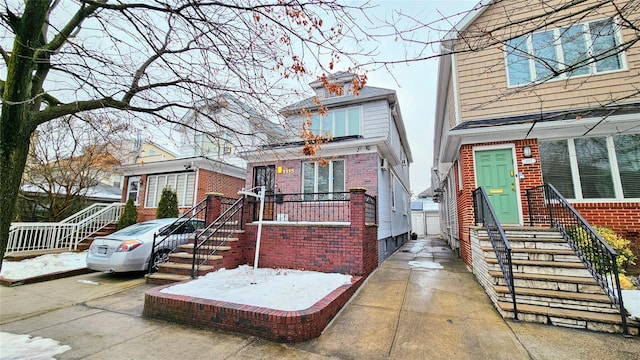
{"x":575,"y":50}
{"x":337,"y":123}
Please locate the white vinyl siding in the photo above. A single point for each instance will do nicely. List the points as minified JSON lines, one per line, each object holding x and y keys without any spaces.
{"x":182,"y":183}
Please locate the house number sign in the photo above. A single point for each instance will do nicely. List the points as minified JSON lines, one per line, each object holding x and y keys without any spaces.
{"x":282,"y":170}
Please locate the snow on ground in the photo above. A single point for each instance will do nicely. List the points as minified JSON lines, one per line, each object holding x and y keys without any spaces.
{"x":418,"y":246}
{"x":25,"y":347}
{"x":631,"y":301}
{"x":279,"y":289}
{"x":43,"y":265}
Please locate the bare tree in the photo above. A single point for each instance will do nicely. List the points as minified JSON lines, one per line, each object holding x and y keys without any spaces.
{"x":67,"y":160}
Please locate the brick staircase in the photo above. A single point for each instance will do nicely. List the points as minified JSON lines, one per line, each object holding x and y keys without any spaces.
{"x":109,"y":229}
{"x":228,"y":255}
{"x":552,"y":285}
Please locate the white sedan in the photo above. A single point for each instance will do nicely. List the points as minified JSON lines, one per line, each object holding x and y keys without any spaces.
{"x":130,"y":249}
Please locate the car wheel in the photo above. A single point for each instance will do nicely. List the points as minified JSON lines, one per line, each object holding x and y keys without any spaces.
{"x":159,"y":257}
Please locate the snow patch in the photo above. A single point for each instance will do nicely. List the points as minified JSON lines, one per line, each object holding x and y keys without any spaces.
{"x":43,"y":265}
{"x":89,"y":282}
{"x":278,"y":289}
{"x":631,"y":300}
{"x":418,"y":246}
{"x":25,"y":347}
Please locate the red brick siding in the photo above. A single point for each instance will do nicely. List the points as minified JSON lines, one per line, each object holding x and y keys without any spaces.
{"x":274,"y":325}
{"x":361,"y":170}
{"x":208,"y":181}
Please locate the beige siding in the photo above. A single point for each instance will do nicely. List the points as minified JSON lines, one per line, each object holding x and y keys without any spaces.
{"x":482,"y":79}
{"x":450,"y":110}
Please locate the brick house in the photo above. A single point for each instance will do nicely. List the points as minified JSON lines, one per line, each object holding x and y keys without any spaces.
{"x":368,"y":149}
{"x":528,"y":104}
{"x":191,"y":177}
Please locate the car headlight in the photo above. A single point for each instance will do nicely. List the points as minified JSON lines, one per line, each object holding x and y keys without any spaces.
{"x":128,"y":245}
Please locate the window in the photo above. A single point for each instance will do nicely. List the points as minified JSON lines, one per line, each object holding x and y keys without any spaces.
{"x":213,"y":145}
{"x":593,"y":168}
{"x":183,"y":184}
{"x":580,"y":49}
{"x":337,"y":123}
{"x":317,"y":178}
{"x":393,"y":193}
{"x":133,"y":187}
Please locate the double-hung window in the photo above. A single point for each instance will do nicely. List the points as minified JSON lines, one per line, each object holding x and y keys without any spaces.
{"x":322,"y":178}
{"x":182,"y":183}
{"x":337,"y":123}
{"x":579,"y":49}
{"x":593,"y":168}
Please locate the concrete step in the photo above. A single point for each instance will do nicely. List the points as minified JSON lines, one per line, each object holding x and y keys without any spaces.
{"x":164,"y":278}
{"x":544,"y":267}
{"x":182,"y":269}
{"x":569,"y":318}
{"x":562,"y":255}
{"x":556,"y":294}
{"x":550,"y":282}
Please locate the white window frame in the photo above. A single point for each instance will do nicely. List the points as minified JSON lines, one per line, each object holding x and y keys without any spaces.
{"x":170,"y":180}
{"x":560,"y":54}
{"x":130,"y":181}
{"x":613,"y":167}
{"x":393,"y":192}
{"x":331,"y":175}
{"x":331,"y":113}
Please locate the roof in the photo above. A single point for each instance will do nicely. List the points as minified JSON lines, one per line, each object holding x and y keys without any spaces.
{"x":367,"y":93}
{"x":98,"y":192}
{"x":631,"y":108}
{"x":426,"y":193}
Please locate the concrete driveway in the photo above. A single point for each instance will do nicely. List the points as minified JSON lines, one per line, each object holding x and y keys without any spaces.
{"x":404,"y":311}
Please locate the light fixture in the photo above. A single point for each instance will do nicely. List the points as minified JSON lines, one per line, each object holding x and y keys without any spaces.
{"x":526,"y":151}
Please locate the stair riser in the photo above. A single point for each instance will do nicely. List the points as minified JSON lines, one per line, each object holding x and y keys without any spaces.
{"x":536,"y":256}
{"x":560,"y":245}
{"x":551,"y":285}
{"x":570,"y":323}
{"x":561,"y":303}
{"x":181,"y":271}
{"x":529,"y":269}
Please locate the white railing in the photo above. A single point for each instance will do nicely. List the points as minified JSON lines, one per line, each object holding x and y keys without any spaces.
{"x":66,"y":234}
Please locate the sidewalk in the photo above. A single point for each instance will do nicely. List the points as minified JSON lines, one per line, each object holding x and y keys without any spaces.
{"x":403,"y":311}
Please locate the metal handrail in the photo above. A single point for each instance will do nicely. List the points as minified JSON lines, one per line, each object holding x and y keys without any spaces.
{"x":305,"y":207}
{"x":198,"y":211}
{"x":227,"y":223}
{"x":548,"y":207}
{"x":485,"y":214}
{"x":26,"y":236}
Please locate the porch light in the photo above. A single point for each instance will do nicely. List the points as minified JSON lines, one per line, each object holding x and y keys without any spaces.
{"x":526,"y":151}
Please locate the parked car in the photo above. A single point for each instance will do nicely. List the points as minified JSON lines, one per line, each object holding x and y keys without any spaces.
{"x":129,"y":249}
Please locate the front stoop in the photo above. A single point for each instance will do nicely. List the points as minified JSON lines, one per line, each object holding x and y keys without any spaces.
{"x":178,"y":268}
{"x":552,"y":285}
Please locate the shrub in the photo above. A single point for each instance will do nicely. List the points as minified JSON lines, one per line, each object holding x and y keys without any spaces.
{"x":621,"y":245}
{"x":168,"y":205}
{"x":129,"y":215}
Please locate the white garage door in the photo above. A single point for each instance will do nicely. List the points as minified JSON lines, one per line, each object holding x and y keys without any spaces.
{"x":433,"y":224}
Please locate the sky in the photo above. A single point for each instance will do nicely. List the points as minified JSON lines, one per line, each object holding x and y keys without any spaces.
{"x":417,"y":82}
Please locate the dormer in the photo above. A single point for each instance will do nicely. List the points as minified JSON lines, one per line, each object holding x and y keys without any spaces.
{"x":342,"y":78}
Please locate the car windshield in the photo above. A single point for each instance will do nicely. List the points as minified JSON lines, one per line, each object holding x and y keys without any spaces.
{"x":136,"y":229}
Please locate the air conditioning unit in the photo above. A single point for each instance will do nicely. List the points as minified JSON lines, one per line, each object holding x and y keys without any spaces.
{"x":384,"y":164}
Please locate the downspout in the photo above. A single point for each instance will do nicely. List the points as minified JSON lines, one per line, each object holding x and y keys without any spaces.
{"x":196,"y":183}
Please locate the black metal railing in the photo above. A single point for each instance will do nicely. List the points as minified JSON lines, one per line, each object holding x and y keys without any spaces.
{"x":304,"y":207}
{"x":370,"y":210}
{"x":175,"y":234}
{"x":210,"y":240}
{"x":485,"y":215}
{"x":547,"y":207}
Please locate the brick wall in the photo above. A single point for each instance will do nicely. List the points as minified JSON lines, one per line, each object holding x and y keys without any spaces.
{"x":361,"y":170}
{"x":347,"y":249}
{"x":208,"y":181}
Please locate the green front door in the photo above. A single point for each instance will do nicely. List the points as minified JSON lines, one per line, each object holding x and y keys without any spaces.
{"x":495,"y":172}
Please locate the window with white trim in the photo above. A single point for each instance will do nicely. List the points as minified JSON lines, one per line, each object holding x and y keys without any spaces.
{"x":594,"y":167}
{"x":182,"y":183}
{"x":393,"y":192}
{"x":323,"y":178}
{"x":337,"y":123}
{"x":576,"y":50}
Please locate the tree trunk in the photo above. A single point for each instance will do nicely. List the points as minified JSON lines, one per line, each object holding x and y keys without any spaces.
{"x":19,"y":102}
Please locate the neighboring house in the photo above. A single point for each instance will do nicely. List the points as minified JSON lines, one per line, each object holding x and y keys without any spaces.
{"x":425,"y":218}
{"x":192,"y":178}
{"x":510,"y":116}
{"x":368,"y":149}
{"x":222,"y":127}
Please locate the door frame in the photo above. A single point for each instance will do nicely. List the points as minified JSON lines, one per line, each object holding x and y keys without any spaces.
{"x":512,"y":147}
